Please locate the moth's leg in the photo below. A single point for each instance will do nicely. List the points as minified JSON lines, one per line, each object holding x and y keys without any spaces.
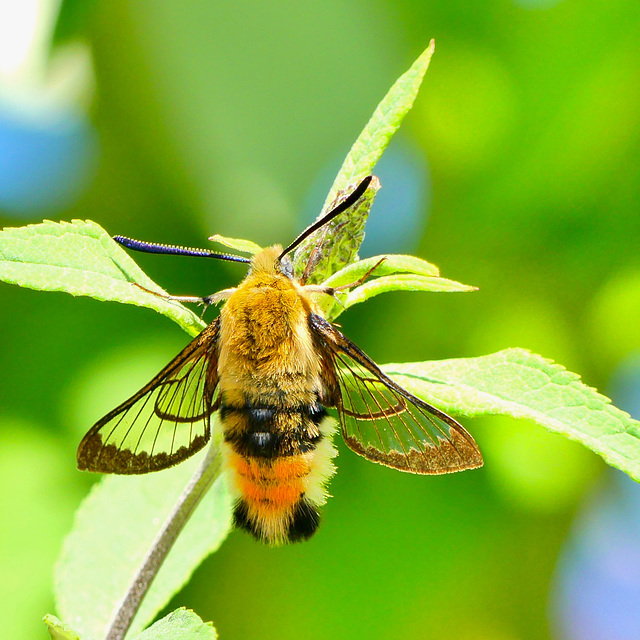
{"x":361,"y":280}
{"x":331,"y":291}
{"x":214,"y":298}
{"x":219,"y":296}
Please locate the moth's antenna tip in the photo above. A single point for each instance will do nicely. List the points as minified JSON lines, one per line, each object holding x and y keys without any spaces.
{"x":348,"y":202}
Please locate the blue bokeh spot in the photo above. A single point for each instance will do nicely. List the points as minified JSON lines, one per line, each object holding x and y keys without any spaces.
{"x":597,"y":595}
{"x":46,"y":160}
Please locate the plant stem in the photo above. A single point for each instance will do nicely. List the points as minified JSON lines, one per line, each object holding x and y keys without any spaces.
{"x":198,"y":486}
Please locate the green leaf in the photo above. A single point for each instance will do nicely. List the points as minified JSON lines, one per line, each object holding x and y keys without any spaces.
{"x":237,"y":244}
{"x":112,"y":533}
{"x":80,"y":258}
{"x":396,"y":273}
{"x":340,"y":240}
{"x":390,"y":265}
{"x":520,"y":384}
{"x":59,"y":631}
{"x":180,"y":624}
{"x":397,"y":283}
{"x":385,"y":121}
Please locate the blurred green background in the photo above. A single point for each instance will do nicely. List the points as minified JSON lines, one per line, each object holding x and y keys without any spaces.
{"x":517,"y":171}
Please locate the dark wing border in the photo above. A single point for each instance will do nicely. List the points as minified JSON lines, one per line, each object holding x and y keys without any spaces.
{"x":446,"y":448}
{"x":94,"y":455}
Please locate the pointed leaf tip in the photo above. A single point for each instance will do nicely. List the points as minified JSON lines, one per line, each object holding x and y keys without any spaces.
{"x":59,"y":631}
{"x":237,"y":244}
{"x":181,"y":623}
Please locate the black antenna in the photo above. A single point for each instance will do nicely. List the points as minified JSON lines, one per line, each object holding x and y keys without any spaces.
{"x":172,"y":250}
{"x":349,"y":201}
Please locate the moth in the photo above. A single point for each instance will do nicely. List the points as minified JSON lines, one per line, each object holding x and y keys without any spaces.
{"x":264,"y":372}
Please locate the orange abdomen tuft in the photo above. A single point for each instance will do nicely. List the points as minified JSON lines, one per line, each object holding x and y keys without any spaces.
{"x":271,"y":492}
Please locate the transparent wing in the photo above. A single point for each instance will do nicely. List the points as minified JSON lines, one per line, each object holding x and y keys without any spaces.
{"x":385,"y":423}
{"x":167,"y":421}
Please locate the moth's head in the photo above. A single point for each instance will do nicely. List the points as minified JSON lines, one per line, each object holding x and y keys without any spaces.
{"x":270,"y":261}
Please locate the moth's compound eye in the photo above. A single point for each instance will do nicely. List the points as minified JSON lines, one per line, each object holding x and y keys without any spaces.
{"x":286,"y":267}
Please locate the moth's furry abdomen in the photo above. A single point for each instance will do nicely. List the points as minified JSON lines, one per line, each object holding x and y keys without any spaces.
{"x":279,"y":476}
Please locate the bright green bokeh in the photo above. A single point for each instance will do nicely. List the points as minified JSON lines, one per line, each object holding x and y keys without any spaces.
{"x":37,"y":499}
